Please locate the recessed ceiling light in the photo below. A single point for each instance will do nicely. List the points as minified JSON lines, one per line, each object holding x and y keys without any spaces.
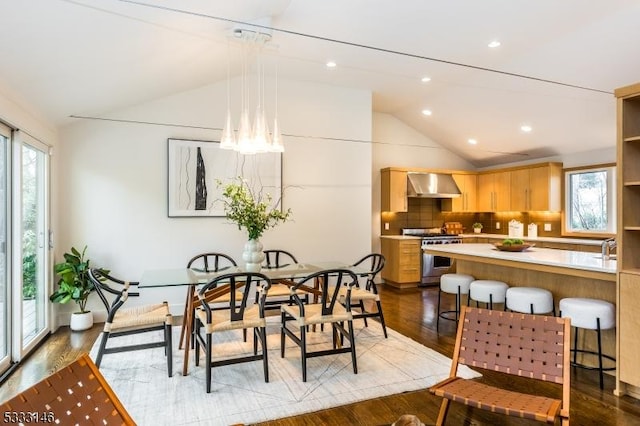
{"x":425,"y":79}
{"x":526,"y":128}
{"x":426,"y":112}
{"x":494,"y":44}
{"x":473,"y":141}
{"x":331,"y":64}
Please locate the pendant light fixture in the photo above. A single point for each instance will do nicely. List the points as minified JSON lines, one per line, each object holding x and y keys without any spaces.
{"x":251,"y":138}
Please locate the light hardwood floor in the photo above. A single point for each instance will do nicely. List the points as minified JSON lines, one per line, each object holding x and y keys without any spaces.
{"x":412,"y":313}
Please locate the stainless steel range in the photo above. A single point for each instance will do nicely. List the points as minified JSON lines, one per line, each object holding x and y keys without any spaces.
{"x":433,"y":266}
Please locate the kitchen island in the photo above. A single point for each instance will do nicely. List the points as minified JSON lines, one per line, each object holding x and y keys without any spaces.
{"x":565,"y":273}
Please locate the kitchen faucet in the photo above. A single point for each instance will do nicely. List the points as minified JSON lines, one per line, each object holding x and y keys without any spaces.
{"x":608,"y":245}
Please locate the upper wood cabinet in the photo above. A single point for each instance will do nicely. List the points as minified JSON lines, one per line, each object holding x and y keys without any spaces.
{"x":393,"y":190}
{"x":494,"y":192}
{"x":537,"y":188}
{"x":467,"y":202}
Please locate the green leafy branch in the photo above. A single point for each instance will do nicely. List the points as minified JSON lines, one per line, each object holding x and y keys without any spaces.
{"x":250,"y":211}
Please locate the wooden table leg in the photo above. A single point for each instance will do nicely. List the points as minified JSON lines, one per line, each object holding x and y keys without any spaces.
{"x":187,"y":330}
{"x":190,"y":292}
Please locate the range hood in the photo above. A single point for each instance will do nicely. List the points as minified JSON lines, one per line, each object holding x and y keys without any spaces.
{"x":431,"y":185}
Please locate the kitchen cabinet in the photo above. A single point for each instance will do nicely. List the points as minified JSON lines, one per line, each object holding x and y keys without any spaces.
{"x":536,"y":188}
{"x":628,"y":239}
{"x":402,"y":261}
{"x":393,"y":190}
{"x":494,"y":192}
{"x":467,"y":201}
{"x":628,"y":329}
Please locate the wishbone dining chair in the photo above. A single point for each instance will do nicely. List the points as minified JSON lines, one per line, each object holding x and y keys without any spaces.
{"x":203,"y":262}
{"x":240,"y":316}
{"x":280,"y":291}
{"x":374,"y":262}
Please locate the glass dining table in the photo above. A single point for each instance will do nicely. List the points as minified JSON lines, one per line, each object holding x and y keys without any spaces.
{"x":192,"y":277}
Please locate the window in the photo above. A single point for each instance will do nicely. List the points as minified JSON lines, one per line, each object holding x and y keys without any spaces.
{"x":590,"y":200}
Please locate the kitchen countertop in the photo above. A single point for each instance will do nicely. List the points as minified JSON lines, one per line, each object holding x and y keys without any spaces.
{"x":401,"y":237}
{"x":570,"y":259}
{"x":502,"y":236}
{"x":546,"y":239}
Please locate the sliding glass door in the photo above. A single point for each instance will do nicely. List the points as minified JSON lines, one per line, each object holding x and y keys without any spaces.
{"x":34,"y":242}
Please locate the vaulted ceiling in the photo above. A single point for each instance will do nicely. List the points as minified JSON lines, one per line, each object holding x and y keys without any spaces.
{"x":555,"y":69}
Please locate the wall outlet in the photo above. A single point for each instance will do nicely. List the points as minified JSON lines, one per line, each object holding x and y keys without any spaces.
{"x":547,"y":227}
{"x":497,"y":225}
{"x":386,"y":226}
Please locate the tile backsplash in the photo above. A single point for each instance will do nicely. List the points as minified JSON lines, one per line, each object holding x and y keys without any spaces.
{"x":427,"y":213}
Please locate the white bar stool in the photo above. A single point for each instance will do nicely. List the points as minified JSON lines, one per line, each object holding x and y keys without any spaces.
{"x":589,"y":314}
{"x":457,"y":284}
{"x":530,"y":300}
{"x":488,"y":292}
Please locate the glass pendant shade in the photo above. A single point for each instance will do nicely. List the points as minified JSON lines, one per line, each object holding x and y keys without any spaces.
{"x":228,"y":138}
{"x":245,"y":142}
{"x":276,"y":140}
{"x":261,"y":138}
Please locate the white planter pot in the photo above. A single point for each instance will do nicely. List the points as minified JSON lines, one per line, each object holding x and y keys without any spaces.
{"x":253,"y":255}
{"x":81,"y":321}
{"x":477,"y":230}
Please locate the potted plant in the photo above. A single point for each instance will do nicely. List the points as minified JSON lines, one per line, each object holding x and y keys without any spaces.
{"x":74,"y":284}
{"x":254,"y":212}
{"x":477,"y":227}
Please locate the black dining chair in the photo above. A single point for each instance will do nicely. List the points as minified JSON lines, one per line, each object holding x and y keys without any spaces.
{"x":204,"y":262}
{"x":374,"y":262}
{"x":240,"y":316}
{"x":280,"y":291}
{"x":328,"y":310}
{"x":134,"y":320}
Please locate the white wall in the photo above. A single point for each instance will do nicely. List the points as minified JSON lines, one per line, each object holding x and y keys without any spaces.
{"x":398,"y":145}
{"x":577,"y":159}
{"x":113,"y":183}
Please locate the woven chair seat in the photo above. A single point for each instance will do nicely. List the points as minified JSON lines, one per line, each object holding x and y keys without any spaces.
{"x":142,"y":316}
{"x":479,"y":395}
{"x":313,"y":314}
{"x":221,"y":321}
{"x":283,"y":290}
{"x":358,"y":294}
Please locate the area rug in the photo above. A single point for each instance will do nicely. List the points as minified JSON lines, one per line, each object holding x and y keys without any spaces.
{"x":239,"y":393}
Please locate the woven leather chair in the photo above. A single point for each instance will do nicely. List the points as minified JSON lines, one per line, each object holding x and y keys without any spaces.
{"x":76,"y":394}
{"x":280,"y":291}
{"x":239,"y":316}
{"x":533,"y":346}
{"x":327,"y":311}
{"x":375,"y":263}
{"x":135,"y":320}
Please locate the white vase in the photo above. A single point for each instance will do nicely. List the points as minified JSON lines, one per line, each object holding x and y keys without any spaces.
{"x":81,"y":321}
{"x":253,"y":255}
{"x":477,"y":230}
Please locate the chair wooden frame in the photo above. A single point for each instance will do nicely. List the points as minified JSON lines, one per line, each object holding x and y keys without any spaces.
{"x":328,"y":310}
{"x":238,"y":316}
{"x":532,"y":346}
{"x":127,"y":321}
{"x":76,"y":394}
